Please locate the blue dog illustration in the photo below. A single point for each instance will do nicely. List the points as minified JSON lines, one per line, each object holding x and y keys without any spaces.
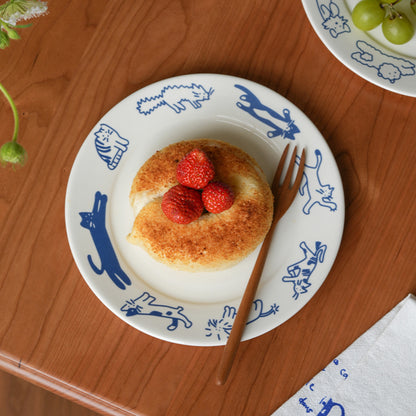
{"x":312,"y":186}
{"x":301,"y":271}
{"x":388,"y":67}
{"x":282,"y":125}
{"x":144,"y":305}
{"x":94,"y":221}
{"x":175,"y":97}
{"x":110,"y":145}
{"x":332,"y":20}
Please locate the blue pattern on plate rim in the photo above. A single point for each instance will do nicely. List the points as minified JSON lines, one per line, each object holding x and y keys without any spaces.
{"x":312,"y":187}
{"x":300,"y":272}
{"x":387,"y":66}
{"x":332,"y":20}
{"x":110,"y":145}
{"x":175,"y":97}
{"x":282,"y":124}
{"x":221,"y":327}
{"x":145,"y":305}
{"x":94,"y":221}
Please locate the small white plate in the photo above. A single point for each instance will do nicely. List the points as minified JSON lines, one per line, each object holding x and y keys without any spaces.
{"x":199,"y":308}
{"x":368,"y":54}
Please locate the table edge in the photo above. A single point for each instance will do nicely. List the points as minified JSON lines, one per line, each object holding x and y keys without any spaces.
{"x":77,"y":395}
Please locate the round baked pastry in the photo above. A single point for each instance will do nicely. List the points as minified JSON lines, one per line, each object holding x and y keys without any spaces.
{"x":214,"y":241}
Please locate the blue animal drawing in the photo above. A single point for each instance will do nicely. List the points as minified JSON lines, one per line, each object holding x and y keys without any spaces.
{"x":94,"y":221}
{"x":175,"y":97}
{"x":221,"y":327}
{"x":281,"y":124}
{"x":332,"y":20}
{"x":312,"y":187}
{"x":145,"y":305}
{"x":330,"y":405}
{"x":301,"y":271}
{"x":110,"y":145}
{"x":388,"y":67}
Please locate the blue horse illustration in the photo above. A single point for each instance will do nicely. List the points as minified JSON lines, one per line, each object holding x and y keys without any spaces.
{"x":175,"y":97}
{"x":332,"y":20}
{"x":110,"y":145}
{"x":282,"y":124}
{"x":301,"y":271}
{"x":94,"y":221}
{"x":144,"y":305}
{"x":312,"y":186}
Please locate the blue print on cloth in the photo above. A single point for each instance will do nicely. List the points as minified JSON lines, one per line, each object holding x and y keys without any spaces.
{"x":110,"y":145}
{"x":282,"y":124}
{"x":94,"y":221}
{"x":221,"y":327}
{"x":329,"y":406}
{"x":144,"y":305}
{"x":175,"y":97}
{"x":301,"y":271}
{"x":387,"y":66}
{"x":312,"y":187}
{"x":332,"y":20}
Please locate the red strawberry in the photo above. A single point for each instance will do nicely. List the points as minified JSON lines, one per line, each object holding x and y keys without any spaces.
{"x":195,"y":170}
{"x":182,"y":205}
{"x":217,"y":197}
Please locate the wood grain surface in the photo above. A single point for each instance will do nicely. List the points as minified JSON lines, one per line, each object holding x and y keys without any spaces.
{"x":66,"y":72}
{"x":21,"y":398}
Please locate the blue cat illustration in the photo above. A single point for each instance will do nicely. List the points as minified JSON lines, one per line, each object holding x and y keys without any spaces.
{"x":312,"y":187}
{"x":144,"y":305}
{"x":175,"y":97}
{"x":110,"y":145}
{"x":94,"y":221}
{"x":301,"y":271}
{"x":332,"y":20}
{"x":222,"y":327}
{"x":282,"y":124}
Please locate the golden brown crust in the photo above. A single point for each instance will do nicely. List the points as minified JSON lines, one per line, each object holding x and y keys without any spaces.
{"x":214,"y":241}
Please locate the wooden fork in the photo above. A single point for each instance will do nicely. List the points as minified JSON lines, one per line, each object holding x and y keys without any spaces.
{"x":284,"y":194}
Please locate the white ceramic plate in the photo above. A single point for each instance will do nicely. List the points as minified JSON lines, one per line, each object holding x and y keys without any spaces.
{"x":199,"y":308}
{"x":368,"y":54}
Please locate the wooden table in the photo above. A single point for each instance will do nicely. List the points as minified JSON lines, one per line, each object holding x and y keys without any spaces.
{"x":66,"y":72}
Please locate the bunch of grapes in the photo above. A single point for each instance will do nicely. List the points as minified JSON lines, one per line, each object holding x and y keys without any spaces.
{"x":395,"y":25}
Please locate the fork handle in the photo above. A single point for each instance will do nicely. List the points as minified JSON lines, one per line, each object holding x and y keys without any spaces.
{"x":239,"y":324}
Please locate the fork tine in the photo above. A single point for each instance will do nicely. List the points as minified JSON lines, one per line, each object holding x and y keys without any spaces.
{"x":279,"y":170}
{"x":300,"y":170}
{"x":290,"y":168}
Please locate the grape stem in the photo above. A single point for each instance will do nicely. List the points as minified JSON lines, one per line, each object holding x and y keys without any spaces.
{"x":14,"y":109}
{"x":392,"y":12}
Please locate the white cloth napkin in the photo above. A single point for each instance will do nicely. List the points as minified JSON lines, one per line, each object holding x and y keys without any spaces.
{"x":375,"y":376}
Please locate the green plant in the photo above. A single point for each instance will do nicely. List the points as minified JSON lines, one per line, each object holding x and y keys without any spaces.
{"x":12,"y":12}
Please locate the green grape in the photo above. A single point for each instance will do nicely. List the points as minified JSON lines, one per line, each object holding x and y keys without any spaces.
{"x":397,"y":29}
{"x":367,"y":14}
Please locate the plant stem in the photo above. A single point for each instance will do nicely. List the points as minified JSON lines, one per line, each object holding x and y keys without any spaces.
{"x":14,"y":109}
